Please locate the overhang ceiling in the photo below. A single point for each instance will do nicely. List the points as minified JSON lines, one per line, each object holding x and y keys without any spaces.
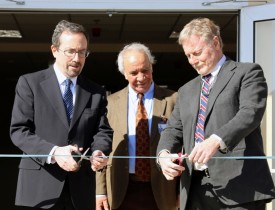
{"x":109,"y":33}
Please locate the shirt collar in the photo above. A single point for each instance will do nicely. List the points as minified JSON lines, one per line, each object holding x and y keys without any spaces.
{"x":147,"y":95}
{"x":218,"y":66}
{"x":60,"y":77}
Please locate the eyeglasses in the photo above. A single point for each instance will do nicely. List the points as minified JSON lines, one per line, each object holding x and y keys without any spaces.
{"x":71,"y":53}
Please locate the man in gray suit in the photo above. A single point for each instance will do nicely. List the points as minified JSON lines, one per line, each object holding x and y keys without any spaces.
{"x":214,"y":138}
{"x":41,"y":126}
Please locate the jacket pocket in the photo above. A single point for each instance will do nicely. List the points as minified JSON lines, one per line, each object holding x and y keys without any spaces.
{"x":27,"y":163}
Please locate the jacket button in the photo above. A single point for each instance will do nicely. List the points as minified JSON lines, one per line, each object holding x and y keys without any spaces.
{"x":70,"y":141}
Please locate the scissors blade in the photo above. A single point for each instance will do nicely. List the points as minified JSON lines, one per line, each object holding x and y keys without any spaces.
{"x":83,"y":156}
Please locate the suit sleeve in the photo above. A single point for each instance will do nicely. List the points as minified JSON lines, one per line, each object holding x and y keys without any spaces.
{"x":101,"y":188}
{"x":171,"y":137}
{"x":101,"y":185}
{"x":249,"y":100}
{"x":22,"y":129}
{"x":103,"y":137}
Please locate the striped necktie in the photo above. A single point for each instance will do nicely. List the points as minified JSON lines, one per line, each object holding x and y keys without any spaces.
{"x":199,"y":134}
{"x":68,"y":99}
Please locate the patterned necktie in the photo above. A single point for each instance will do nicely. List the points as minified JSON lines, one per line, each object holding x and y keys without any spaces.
{"x":68,"y":99}
{"x":142,"y":142}
{"x":199,"y":134}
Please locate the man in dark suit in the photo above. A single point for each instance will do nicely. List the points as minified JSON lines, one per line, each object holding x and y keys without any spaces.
{"x":120,"y":183}
{"x":41,"y":126}
{"x":234,"y":98}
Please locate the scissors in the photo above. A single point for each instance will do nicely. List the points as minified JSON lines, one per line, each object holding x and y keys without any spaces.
{"x":80,"y":156}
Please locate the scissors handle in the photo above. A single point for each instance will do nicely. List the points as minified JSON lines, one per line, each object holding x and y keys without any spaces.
{"x":78,"y":156}
{"x":179,"y":160}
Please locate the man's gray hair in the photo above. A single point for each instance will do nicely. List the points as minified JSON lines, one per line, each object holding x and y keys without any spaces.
{"x":133,"y":47}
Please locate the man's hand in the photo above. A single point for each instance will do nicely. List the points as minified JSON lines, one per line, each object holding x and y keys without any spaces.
{"x":63,"y":157}
{"x":102,"y":203}
{"x":98,"y":160}
{"x":203,"y":151}
{"x":168,"y":166}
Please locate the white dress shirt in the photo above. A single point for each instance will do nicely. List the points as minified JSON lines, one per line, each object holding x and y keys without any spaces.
{"x":61,"y":81}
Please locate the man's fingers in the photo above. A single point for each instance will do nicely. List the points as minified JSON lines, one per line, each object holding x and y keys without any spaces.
{"x":102,"y":203}
{"x":168,"y":177}
{"x":106,"y":205}
{"x":98,"y":160}
{"x":64,"y":158}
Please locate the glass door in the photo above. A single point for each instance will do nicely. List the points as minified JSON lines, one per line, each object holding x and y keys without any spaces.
{"x":257,"y":44}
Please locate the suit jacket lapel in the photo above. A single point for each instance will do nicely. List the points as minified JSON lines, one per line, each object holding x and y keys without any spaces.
{"x":158,"y":110}
{"x":122,"y":113}
{"x":82,"y":97}
{"x":51,"y":89}
{"x":222,"y":80}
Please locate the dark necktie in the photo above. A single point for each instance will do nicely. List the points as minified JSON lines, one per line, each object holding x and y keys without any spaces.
{"x":142,"y":142}
{"x":68,"y":99}
{"x":199,"y":134}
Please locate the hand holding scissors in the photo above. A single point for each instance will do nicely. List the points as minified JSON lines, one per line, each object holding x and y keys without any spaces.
{"x":98,"y":160}
{"x":79,"y":157}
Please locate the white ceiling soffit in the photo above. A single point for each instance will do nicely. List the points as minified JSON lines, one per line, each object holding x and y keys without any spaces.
{"x":126,"y":5}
